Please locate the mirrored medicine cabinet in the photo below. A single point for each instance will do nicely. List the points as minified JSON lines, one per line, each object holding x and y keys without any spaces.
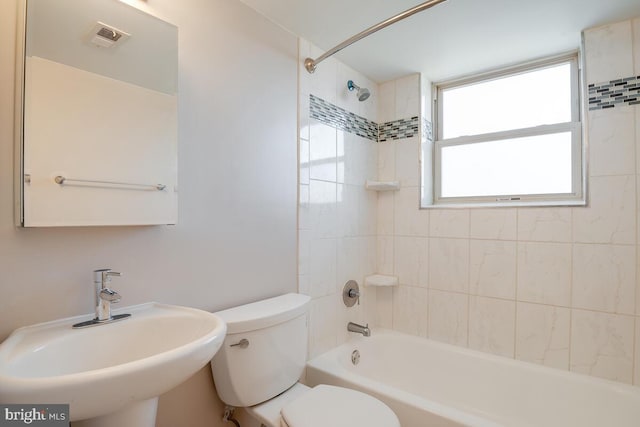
{"x":96,"y":125}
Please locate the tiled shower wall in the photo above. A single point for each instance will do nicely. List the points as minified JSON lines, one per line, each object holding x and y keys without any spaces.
{"x":337,"y":216}
{"x":554,"y":286}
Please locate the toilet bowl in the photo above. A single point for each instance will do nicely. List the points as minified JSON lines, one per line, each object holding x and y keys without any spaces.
{"x":261,"y":360}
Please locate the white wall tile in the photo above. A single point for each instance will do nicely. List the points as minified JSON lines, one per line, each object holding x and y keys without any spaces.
{"x":425,"y":96}
{"x":304,"y":252}
{"x":610,"y":216}
{"x":449,"y":264}
{"x":407,"y":97}
{"x":407,"y":161}
{"x":492,"y":268}
{"x":345,"y":163}
{"x":449,"y":223}
{"x":544,"y":224}
{"x":542,"y":334}
{"x":368,"y":209}
{"x":304,"y":284}
{"x":369,"y":154}
{"x":369,"y":255}
{"x":347,"y":210}
{"x":387,"y":101}
{"x":323,"y":220}
{"x":544,"y":273}
{"x":384,"y":307}
{"x":496,"y":224}
{"x":322,"y":325}
{"x":305,"y":162}
{"x":323,"y":152}
{"x":492,"y":325}
{"x":409,"y":219}
{"x":386,"y":161}
{"x":369,"y":301}
{"x":322,"y":267}
{"x":448,"y":317}
{"x":385,"y":257}
{"x":602,"y":345}
{"x":604,"y":278}
{"x":609,"y":52}
{"x":386,"y":206}
{"x":612,"y":142}
{"x":410,"y":310}
{"x":304,"y":222}
{"x":305,"y":120}
{"x":349,"y":261}
{"x":411,"y":256}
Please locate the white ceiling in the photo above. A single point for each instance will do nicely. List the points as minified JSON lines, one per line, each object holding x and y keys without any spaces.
{"x":455,"y":38}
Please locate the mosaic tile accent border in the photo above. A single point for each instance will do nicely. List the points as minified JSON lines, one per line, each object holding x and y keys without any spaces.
{"x":625,"y":91}
{"x":347,"y":121}
{"x":427,"y":130}
{"x":398,"y":129}
{"x":342,"y":119}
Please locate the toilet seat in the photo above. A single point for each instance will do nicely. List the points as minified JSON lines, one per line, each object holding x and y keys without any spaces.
{"x":326,"y":405}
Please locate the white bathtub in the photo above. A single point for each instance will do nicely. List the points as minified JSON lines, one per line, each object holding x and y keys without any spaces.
{"x":428,"y":383}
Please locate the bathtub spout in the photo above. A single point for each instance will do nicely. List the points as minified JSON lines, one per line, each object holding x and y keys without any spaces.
{"x":364,"y":330}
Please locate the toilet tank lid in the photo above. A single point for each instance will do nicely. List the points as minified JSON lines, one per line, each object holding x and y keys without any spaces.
{"x":265,"y":313}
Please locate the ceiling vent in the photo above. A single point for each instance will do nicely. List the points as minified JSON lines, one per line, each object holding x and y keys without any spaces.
{"x":103,"y":35}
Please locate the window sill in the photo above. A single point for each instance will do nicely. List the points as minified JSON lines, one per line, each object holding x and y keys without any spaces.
{"x":508,"y":204}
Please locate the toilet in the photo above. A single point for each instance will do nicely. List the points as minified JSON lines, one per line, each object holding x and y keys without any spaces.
{"x":261,"y":360}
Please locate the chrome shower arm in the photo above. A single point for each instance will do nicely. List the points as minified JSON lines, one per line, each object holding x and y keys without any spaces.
{"x":310,"y":63}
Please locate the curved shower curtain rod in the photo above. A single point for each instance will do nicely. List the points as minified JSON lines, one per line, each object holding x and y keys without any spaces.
{"x":310,"y":63}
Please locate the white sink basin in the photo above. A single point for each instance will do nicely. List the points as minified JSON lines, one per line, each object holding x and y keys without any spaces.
{"x":105,"y":369}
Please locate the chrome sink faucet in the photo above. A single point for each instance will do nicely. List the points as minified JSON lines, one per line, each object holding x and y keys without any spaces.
{"x":364,"y":330}
{"x":104,"y":295}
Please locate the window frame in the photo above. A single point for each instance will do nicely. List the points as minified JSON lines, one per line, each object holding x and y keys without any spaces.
{"x":578,"y":194}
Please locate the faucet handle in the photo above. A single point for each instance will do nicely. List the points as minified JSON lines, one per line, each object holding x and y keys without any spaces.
{"x":354,"y":294}
{"x":108,"y":274}
{"x":103,"y":276}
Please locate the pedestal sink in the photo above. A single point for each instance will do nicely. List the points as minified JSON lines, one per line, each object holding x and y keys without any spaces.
{"x":110,"y":374}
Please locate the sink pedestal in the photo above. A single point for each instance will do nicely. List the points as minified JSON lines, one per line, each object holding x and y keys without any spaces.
{"x":136,"y":414}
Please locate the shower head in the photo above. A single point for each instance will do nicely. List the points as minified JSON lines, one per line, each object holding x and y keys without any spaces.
{"x":363,"y":93}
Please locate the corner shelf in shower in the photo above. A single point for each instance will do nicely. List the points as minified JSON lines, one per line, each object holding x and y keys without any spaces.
{"x":381,"y":280}
{"x":382,"y":185}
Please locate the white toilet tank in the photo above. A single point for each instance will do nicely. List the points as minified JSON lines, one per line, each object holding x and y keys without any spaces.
{"x":265,"y":350}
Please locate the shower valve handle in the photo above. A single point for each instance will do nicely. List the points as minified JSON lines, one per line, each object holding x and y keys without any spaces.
{"x":354,"y":294}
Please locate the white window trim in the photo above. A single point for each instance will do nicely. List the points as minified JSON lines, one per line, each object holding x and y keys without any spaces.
{"x":576,"y":198}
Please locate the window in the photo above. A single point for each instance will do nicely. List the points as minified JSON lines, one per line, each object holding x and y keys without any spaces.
{"x":511,"y":137}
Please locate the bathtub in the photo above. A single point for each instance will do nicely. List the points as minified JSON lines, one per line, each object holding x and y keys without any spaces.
{"x":427,"y":383}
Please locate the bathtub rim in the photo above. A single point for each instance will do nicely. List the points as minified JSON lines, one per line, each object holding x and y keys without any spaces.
{"x":331,"y":365}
